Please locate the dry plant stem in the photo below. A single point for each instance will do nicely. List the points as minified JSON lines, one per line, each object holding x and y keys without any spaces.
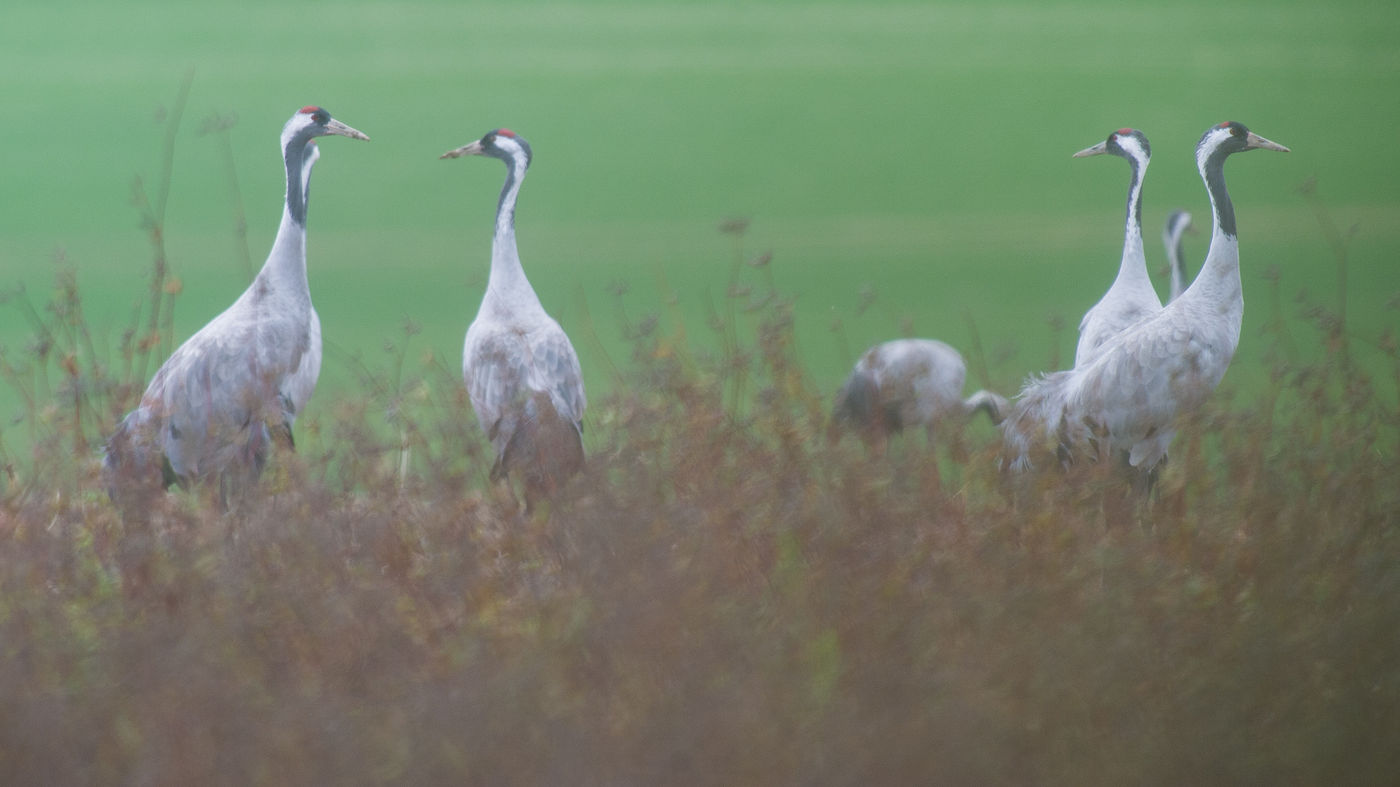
{"x":595,"y":342}
{"x":1337,"y":242}
{"x":154,"y":217}
{"x":715,"y":600}
{"x":223,"y":126}
{"x":978,"y":355}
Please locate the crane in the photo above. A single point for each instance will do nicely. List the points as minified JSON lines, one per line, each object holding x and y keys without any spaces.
{"x":1128,"y":398}
{"x":520,"y":370}
{"x":906,"y":383}
{"x":1178,"y":224}
{"x":216,"y":404}
{"x":1131,"y":296}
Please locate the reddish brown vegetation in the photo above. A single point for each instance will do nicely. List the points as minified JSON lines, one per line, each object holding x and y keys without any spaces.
{"x":721,"y":598}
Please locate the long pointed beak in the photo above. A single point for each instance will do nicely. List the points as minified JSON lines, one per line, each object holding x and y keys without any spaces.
{"x":471,"y":149}
{"x":336,"y":127}
{"x":1102,"y":147}
{"x":1256,"y":141}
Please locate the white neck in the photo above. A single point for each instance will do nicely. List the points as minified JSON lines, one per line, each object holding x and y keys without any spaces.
{"x":1219,"y":279}
{"x":508,"y":291}
{"x":284,"y":272}
{"x":1132,"y":270}
{"x":1176,"y":264}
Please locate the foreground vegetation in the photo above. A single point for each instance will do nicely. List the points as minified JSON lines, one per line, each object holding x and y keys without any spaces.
{"x":725,"y":597}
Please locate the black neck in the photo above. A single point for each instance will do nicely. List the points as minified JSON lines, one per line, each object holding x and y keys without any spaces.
{"x":294,"y":156}
{"x":1214,"y":172}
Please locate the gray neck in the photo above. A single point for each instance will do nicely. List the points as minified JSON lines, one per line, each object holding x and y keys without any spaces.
{"x":1219,"y":278}
{"x":994,"y":405}
{"x":285,"y":269}
{"x":1176,"y":261}
{"x":507,"y":287}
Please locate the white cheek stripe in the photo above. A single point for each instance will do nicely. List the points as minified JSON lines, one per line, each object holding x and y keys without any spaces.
{"x":1133,"y":147}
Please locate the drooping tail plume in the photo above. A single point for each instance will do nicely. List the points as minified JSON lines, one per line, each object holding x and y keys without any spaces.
{"x":1038,"y":418}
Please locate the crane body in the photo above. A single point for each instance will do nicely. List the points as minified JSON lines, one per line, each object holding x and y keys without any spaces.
{"x":907,"y":383}
{"x":215,"y":406}
{"x":520,"y":369}
{"x":1128,"y":398}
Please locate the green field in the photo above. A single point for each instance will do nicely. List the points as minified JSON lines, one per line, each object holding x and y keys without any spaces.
{"x":917,"y":152}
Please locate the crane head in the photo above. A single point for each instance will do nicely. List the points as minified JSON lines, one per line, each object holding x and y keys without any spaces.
{"x":1177,"y":223}
{"x":501,"y":143}
{"x":1128,"y":143}
{"x":313,"y":121}
{"x":1231,"y":137}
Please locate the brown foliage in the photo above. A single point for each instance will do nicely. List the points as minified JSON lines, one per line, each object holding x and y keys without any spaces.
{"x":722,"y":597}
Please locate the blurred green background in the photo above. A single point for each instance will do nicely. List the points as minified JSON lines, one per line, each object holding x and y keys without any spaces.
{"x":907,"y":164}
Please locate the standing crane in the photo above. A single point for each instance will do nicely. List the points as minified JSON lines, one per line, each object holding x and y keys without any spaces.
{"x":1131,"y":296}
{"x":520,"y":370}
{"x":216,"y":404}
{"x":1178,"y":224}
{"x":906,"y":383}
{"x":1126,"y":401}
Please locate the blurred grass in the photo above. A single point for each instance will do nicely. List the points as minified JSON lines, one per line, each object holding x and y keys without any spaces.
{"x":723,"y":597}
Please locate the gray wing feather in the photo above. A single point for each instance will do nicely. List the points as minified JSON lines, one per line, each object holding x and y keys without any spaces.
{"x":301,"y":383}
{"x":556,"y":371}
{"x":494,"y":372}
{"x":212,"y":399}
{"x":503,"y":367}
{"x":1137,"y":388}
{"x":203,"y":400}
